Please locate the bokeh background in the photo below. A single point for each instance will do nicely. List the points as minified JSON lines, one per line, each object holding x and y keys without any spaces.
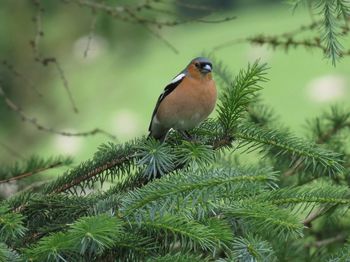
{"x":116,"y":85}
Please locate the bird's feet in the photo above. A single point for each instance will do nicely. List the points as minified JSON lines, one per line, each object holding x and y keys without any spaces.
{"x":187,"y":136}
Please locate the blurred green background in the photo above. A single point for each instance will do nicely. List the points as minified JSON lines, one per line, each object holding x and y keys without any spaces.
{"x":116,"y":86}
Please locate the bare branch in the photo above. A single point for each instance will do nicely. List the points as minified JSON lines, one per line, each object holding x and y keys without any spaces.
{"x":91,"y":34}
{"x":328,"y":241}
{"x":19,"y":75}
{"x":165,"y":41}
{"x":11,"y":151}
{"x":13,"y":107}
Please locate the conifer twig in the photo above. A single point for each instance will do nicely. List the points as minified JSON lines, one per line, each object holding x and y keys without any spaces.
{"x":91,"y":174}
{"x":27,"y":174}
{"x":328,"y":241}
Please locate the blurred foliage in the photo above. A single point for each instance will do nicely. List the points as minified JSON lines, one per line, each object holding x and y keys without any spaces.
{"x":126,"y":66}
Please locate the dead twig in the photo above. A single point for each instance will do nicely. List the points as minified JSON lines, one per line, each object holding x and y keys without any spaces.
{"x":13,"y":107}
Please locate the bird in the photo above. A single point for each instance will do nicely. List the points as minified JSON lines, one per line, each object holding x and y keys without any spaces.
{"x":186,"y":101}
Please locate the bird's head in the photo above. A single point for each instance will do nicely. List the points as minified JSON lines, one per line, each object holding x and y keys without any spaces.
{"x":200,"y":67}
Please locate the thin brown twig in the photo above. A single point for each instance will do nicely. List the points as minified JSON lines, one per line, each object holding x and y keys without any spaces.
{"x":38,"y":27}
{"x":313,"y":216}
{"x":65,"y":84}
{"x":195,"y":7}
{"x":164,"y":40}
{"x":19,"y":75}
{"x":328,"y":241}
{"x":13,"y":107}
{"x":27,"y":174}
{"x":45,"y":61}
{"x":128,"y":14}
{"x":11,"y":151}
{"x":322,"y":138}
{"x":91,"y":34}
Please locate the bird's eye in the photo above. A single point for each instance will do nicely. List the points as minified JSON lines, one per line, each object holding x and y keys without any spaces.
{"x":196,"y":64}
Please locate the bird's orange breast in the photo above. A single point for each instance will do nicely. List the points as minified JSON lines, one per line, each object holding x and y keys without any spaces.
{"x":189,"y":104}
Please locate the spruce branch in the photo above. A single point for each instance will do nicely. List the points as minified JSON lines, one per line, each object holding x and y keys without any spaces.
{"x":343,"y":9}
{"x":310,"y":195}
{"x":313,"y":158}
{"x":342,"y":254}
{"x":158,"y":158}
{"x":179,"y":257}
{"x":191,"y":234}
{"x":251,"y":248}
{"x":113,"y":160}
{"x":266,"y":219}
{"x":11,"y":225}
{"x":330,"y":29}
{"x":87,"y":237}
{"x":185,"y":184}
{"x":7,"y":254}
{"x":93,"y":235}
{"x":31,"y":166}
{"x":132,"y":247}
{"x":194,"y":155}
{"x":236,"y":98}
{"x":55,"y":247}
{"x":323,"y":129}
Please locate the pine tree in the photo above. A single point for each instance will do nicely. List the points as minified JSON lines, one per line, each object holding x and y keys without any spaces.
{"x":241,"y":190}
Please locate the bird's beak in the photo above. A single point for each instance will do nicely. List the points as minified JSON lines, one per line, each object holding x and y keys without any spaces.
{"x":207,"y":68}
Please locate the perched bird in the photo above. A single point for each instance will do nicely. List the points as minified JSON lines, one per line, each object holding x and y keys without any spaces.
{"x":186,"y":101}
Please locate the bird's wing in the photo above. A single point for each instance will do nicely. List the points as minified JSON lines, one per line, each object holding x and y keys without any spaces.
{"x":167,"y":90}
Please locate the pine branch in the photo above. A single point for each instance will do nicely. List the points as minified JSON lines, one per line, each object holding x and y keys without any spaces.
{"x":190,"y":233}
{"x":313,"y":158}
{"x":330,"y":29}
{"x":7,"y":254}
{"x":11,"y":225}
{"x":309,"y":196}
{"x":343,"y":8}
{"x":341,"y":256}
{"x":251,"y":248}
{"x":323,"y":129}
{"x":87,"y":237}
{"x":179,"y":257}
{"x":158,"y":158}
{"x":30,"y":167}
{"x":236,"y":98}
{"x":113,"y":160}
{"x":185,"y":184}
{"x":265,"y":219}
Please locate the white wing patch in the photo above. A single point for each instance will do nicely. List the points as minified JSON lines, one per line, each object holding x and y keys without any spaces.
{"x":177,"y":78}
